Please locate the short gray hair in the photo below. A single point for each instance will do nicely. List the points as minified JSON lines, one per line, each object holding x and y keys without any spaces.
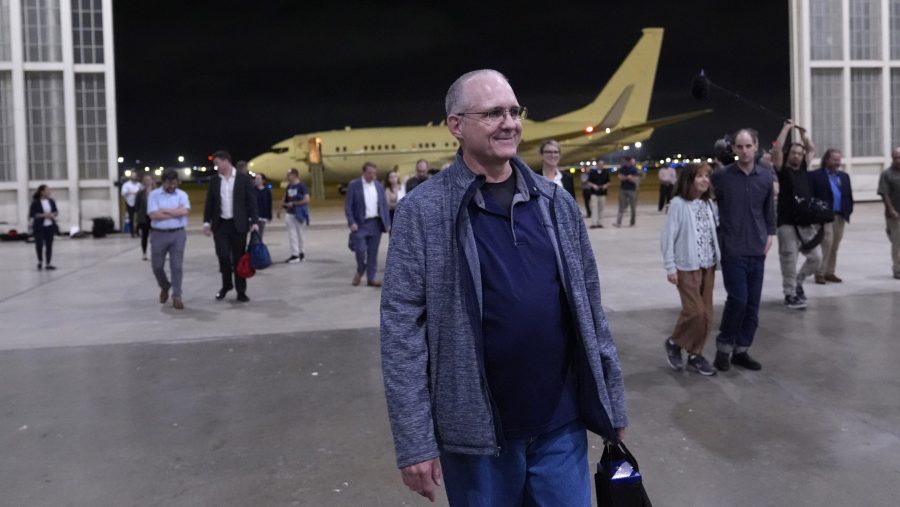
{"x":455,"y":93}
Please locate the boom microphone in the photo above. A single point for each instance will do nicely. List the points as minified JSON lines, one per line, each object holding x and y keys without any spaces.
{"x":701,"y":84}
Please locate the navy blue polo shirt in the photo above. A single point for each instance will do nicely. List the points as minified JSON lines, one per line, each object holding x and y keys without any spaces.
{"x":628,"y":170}
{"x":746,"y":209}
{"x":528,"y":333}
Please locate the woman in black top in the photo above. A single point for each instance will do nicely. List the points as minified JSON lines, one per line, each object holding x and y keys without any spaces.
{"x":43,"y":214}
{"x":263,"y":201}
{"x":141,"y":220}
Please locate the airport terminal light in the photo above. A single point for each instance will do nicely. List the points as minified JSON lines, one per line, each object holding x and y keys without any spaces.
{"x":181,"y":158}
{"x":120,"y":160}
{"x":637,"y":144}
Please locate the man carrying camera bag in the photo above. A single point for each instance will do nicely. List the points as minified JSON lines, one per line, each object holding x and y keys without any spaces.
{"x":794,"y":228}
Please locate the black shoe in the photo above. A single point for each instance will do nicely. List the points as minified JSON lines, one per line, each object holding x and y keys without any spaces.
{"x":302,"y":256}
{"x":673,"y":355}
{"x":243,"y":298}
{"x":222,"y":292}
{"x":40,"y":266}
{"x":744,"y":360}
{"x":721,"y":362}
{"x":292,"y":259}
{"x":794,"y":302}
{"x":50,"y":267}
{"x":798,"y":291}
{"x":700,"y":365}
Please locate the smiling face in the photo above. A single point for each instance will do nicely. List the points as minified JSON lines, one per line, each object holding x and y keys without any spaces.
{"x":701,"y":180}
{"x":550,"y":154}
{"x":488,"y":143}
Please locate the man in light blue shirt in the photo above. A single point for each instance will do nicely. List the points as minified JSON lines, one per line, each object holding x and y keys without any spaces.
{"x":167,"y":208}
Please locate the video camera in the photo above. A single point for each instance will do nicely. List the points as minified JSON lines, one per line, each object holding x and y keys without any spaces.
{"x":722,"y":150}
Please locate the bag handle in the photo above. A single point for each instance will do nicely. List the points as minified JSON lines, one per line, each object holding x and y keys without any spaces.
{"x":620,"y":448}
{"x":255,"y":237}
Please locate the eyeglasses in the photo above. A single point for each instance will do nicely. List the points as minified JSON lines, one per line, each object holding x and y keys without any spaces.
{"x":550,"y":152}
{"x":495,"y":115}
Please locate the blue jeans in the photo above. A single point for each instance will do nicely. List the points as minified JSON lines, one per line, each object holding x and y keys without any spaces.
{"x":550,"y":469}
{"x":743,"y":278}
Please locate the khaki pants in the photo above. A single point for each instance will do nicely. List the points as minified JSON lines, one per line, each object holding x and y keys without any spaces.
{"x":893,"y":232}
{"x":597,"y":203}
{"x":695,"y":320}
{"x":834,"y":232}
{"x":789,"y":248}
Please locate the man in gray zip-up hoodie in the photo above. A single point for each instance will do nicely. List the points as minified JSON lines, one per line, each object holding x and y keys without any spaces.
{"x":454,"y":361}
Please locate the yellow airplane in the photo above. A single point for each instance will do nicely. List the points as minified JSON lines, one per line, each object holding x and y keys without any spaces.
{"x":615,"y":119}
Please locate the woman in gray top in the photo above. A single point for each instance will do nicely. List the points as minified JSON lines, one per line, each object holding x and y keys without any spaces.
{"x":690,"y":253}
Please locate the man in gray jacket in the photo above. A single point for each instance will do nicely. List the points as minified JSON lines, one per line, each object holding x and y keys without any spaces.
{"x":496,"y":351}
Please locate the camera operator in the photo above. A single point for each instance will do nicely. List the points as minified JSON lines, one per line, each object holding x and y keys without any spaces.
{"x":795,"y":232}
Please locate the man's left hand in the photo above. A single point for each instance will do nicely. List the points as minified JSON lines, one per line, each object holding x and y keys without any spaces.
{"x":254,"y":228}
{"x":769,"y":241}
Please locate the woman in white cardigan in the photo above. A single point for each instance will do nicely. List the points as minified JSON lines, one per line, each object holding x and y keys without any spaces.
{"x":690,"y":253}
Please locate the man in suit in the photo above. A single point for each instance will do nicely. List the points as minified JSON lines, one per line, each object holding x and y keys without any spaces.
{"x":230,"y":212}
{"x":367,"y":216}
{"x":832,"y":185}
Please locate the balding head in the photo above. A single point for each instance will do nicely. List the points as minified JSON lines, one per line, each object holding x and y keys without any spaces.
{"x":455,"y":100}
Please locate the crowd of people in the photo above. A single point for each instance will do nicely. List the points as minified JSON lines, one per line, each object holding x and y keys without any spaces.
{"x":497,"y":355}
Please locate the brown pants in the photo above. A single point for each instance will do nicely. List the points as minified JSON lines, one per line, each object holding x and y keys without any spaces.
{"x":695,"y":321}
{"x":834,"y":232}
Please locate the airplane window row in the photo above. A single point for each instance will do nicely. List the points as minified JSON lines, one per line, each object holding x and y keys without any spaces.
{"x":343,"y":149}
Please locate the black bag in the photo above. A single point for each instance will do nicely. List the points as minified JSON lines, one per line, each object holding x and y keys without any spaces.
{"x":810,"y":210}
{"x":806,"y":246}
{"x":618,"y":479}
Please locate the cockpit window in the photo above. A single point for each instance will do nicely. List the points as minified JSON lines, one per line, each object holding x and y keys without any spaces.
{"x":279,"y":150}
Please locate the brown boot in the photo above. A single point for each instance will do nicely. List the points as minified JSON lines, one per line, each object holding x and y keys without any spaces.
{"x":820,"y":279}
{"x":356,"y":279}
{"x":374,"y":283}
{"x":177,"y":304}
{"x":832,"y":278}
{"x":163,"y":295}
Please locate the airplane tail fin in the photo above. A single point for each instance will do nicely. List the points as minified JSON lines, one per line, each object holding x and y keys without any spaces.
{"x":626,"y":98}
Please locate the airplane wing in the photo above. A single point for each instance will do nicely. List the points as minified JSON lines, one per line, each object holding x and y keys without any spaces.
{"x":601,"y":138}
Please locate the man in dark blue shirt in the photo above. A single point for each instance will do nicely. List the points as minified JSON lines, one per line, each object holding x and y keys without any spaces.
{"x":746,"y":231}
{"x":629,"y":178}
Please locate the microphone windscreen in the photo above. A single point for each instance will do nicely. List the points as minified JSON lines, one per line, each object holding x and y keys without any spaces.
{"x":700,"y":87}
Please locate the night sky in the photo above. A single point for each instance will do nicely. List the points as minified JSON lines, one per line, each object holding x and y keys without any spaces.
{"x":196,"y":76}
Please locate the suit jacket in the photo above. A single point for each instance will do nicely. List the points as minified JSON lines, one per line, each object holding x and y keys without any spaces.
{"x":37,"y":224}
{"x":821,"y":189}
{"x":355,"y":204}
{"x":245,"y":211}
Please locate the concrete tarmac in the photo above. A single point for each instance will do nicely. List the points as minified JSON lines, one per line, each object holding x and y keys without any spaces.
{"x":109,"y":398}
